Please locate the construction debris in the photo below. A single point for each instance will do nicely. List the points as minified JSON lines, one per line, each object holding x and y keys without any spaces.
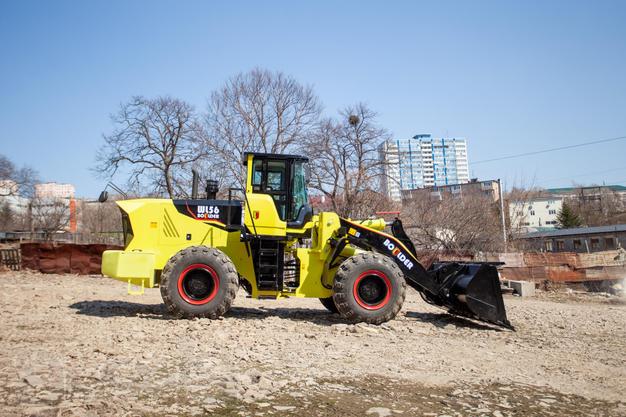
{"x":521,"y":288}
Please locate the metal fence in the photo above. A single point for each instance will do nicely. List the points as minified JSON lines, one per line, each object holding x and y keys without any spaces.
{"x":107,"y":238}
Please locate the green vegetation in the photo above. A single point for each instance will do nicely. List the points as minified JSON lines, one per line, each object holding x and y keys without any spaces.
{"x":567,"y":218}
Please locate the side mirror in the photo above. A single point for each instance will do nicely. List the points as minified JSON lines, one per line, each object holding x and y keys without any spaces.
{"x":104,"y":195}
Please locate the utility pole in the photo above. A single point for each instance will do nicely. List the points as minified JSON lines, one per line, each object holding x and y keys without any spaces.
{"x":502,"y":214}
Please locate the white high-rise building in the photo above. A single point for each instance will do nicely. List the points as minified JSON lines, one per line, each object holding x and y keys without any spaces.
{"x":423,"y":161}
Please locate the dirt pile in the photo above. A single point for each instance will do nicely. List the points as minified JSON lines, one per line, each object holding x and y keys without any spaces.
{"x":55,"y":258}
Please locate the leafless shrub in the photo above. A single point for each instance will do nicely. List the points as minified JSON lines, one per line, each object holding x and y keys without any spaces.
{"x":470,"y":224}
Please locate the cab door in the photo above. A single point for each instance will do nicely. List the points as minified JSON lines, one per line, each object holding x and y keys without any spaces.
{"x":266,"y":195}
{"x":271,"y":177}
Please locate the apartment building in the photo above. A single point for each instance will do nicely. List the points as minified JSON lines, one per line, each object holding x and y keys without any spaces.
{"x":423,"y":161}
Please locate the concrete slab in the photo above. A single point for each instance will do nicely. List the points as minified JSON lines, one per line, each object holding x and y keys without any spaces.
{"x":523,"y":288}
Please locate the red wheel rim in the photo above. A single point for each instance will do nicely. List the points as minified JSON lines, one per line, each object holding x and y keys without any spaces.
{"x":372,"y":290}
{"x":198,"y":284}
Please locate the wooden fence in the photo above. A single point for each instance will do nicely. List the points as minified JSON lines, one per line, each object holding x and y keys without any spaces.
{"x":11,"y":258}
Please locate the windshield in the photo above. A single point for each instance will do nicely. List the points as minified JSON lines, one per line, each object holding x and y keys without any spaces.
{"x":299,"y":195}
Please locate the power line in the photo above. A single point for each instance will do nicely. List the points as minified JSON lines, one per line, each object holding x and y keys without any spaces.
{"x":560,"y":148}
{"x":586,"y":174}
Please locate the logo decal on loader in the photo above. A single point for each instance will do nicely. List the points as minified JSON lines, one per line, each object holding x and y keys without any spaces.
{"x":398,"y":254}
{"x":208,"y":212}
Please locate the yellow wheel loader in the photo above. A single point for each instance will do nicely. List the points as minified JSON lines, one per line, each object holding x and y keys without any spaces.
{"x":199,"y":251}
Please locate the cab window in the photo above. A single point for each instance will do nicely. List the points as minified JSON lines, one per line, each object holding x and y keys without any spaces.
{"x":275,"y":186}
{"x":257,"y":175}
{"x":276,"y":176}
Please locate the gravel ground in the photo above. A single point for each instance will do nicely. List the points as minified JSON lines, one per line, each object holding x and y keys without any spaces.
{"x":75,"y":345}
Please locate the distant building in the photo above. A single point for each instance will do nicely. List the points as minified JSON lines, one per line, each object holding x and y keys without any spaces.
{"x":535,"y":214}
{"x":595,"y":199}
{"x":581,"y":239}
{"x":54,"y":190}
{"x":490,"y":189}
{"x":423,"y":161}
{"x":589,"y":193}
{"x":596,"y":205}
{"x":16,"y":203}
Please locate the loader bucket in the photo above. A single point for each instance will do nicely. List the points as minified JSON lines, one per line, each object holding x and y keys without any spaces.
{"x":471,"y":290}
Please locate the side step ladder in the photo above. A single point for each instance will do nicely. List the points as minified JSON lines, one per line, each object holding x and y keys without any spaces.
{"x":269,"y":259}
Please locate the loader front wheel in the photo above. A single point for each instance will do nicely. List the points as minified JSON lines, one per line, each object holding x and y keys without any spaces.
{"x":369,"y":288}
{"x":329,"y":304}
{"x":199,"y":282}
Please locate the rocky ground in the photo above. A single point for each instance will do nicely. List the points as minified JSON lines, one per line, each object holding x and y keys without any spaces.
{"x":76,"y":345}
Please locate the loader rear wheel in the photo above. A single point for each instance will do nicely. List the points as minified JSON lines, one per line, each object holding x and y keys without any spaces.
{"x":329,"y":304}
{"x":369,"y":288}
{"x":199,"y":282}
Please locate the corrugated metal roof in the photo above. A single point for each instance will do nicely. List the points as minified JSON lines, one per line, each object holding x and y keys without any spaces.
{"x":577,"y":231}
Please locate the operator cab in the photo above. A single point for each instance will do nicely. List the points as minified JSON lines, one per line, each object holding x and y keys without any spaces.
{"x":283,"y":177}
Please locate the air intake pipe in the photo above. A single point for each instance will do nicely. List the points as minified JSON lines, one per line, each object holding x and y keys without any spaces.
{"x":211,"y":189}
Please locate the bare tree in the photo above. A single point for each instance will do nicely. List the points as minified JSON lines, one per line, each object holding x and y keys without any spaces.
{"x":50,"y":215}
{"x":156,"y":140}
{"x":345,"y":163}
{"x":260,"y":111}
{"x":470,"y":223}
{"x":16,"y":181}
{"x":597,"y":205}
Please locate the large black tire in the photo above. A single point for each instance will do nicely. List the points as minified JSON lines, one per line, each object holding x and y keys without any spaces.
{"x":329,"y":304}
{"x":369,"y":288}
{"x":199,"y":282}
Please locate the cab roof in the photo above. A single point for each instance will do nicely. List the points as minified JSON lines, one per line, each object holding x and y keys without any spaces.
{"x":280,"y":156}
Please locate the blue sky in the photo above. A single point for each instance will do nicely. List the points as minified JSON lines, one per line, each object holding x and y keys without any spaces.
{"x":509,"y":76}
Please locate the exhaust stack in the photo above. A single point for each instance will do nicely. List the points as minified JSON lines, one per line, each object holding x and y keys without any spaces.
{"x":194,"y":184}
